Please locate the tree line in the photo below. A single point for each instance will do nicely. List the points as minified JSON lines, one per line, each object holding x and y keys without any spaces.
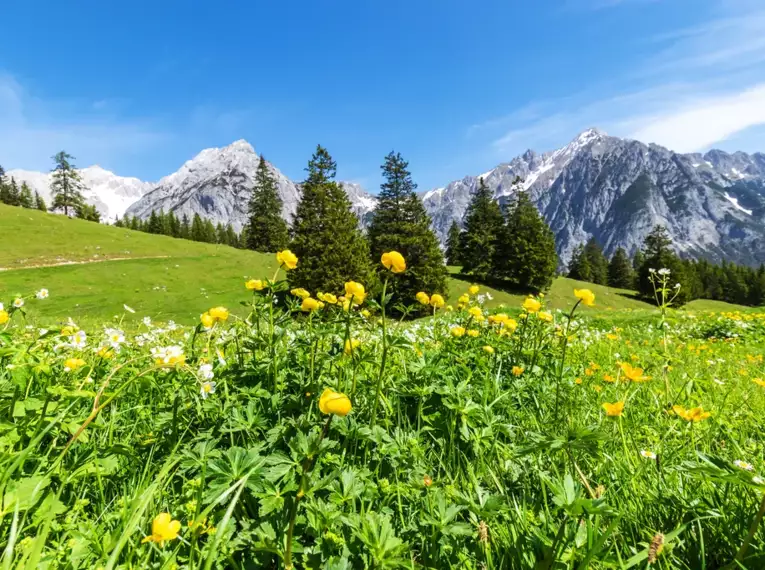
{"x":196,"y":229}
{"x":698,"y":279}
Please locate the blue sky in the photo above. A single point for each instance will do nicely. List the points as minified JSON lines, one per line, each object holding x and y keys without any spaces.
{"x":457,"y":87}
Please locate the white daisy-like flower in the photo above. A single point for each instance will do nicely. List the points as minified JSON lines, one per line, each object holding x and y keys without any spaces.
{"x":651,"y":270}
{"x":168,"y":355}
{"x":647,"y":454}
{"x":758,"y":480}
{"x":18,"y":302}
{"x":677,"y":285}
{"x":42,"y":294}
{"x":116,"y":337}
{"x":207,"y":389}
{"x":743,"y":465}
{"x":206,"y":372}
{"x":147,"y":321}
{"x":78,"y":339}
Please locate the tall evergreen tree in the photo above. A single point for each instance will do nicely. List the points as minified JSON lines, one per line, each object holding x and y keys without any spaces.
{"x":400,"y":223}
{"x":326,"y":236}
{"x":3,"y":187}
{"x":220,"y":234}
{"x":87,"y":212}
{"x":597,"y":260}
{"x":526,"y":254}
{"x":66,"y":187}
{"x":25,"y":197}
{"x":40,"y":203}
{"x":658,"y":254}
{"x":454,"y":245}
{"x":14,"y":194}
{"x":231,"y":238}
{"x":155,"y":222}
{"x":266,"y":229}
{"x":197,"y":229}
{"x":579,"y":267}
{"x":210,"y":235}
{"x":620,"y":270}
{"x":483,"y":224}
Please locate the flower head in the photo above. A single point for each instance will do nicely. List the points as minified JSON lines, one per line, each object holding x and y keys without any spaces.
{"x":423,"y":298}
{"x":18,"y":302}
{"x":394,"y":261}
{"x":488,"y":349}
{"x":219,"y":314}
{"x":207,"y":388}
{"x":78,"y":340}
{"x":206,"y":371}
{"x":464,"y":299}
{"x":163,"y":528}
{"x":287,"y":259}
{"x":743,"y":465}
{"x":694,"y":415}
{"x":532,"y":305}
{"x":4,"y":317}
{"x":42,"y":294}
{"x":168,"y":356}
{"x":647,"y":454}
{"x":473,"y":333}
{"x":255,"y":285}
{"x":351,"y":345}
{"x":207,"y":320}
{"x":72,"y":364}
{"x":309,"y":304}
{"x":615,"y":409}
{"x":632,"y":373}
{"x":300,"y":292}
{"x":586,"y":296}
{"x":473,"y":289}
{"x":457,"y":332}
{"x":327,"y":298}
{"x":437,"y":301}
{"x":475,"y":312}
{"x":331,"y":402}
{"x":355,"y":292}
{"x":517,"y":370}
{"x":545,"y":316}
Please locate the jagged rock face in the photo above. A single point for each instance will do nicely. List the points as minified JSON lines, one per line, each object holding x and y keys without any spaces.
{"x":217,"y":184}
{"x":109,"y":193}
{"x":616,"y":190}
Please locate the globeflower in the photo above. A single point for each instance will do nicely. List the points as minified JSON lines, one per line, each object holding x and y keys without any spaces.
{"x":327,"y":298}
{"x":464,"y":299}
{"x":163,"y":528}
{"x":351,"y":345}
{"x":457,"y":332}
{"x":615,"y":409}
{"x":545,"y":316}
{"x":255,"y":285}
{"x":394,"y":261}
{"x":4,"y":317}
{"x":423,"y":298}
{"x":287,"y":259}
{"x":309,"y":304}
{"x":475,"y":312}
{"x":219,"y":313}
{"x":473,"y":333}
{"x":355,"y":292}
{"x":517,"y":370}
{"x":72,"y":364}
{"x":331,"y":402}
{"x":437,"y":301}
{"x":206,"y":320}
{"x":473,"y":290}
{"x":586,"y":296}
{"x":300,"y":292}
{"x":488,"y":349}
{"x":532,"y":305}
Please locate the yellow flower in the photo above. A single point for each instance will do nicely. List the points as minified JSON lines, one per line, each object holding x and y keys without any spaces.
{"x":633,"y":373}
{"x":578,"y":381}
{"x":437,"y":301}
{"x":464,"y":299}
{"x":72,"y":364}
{"x":457,"y":331}
{"x":475,"y":312}
{"x":611,"y":336}
{"x":4,"y":318}
{"x":759,"y":382}
{"x":163,"y":528}
{"x":608,"y":378}
{"x":691,"y":415}
{"x":287,"y":259}
{"x":207,"y":320}
{"x":327,"y":298}
{"x":532,"y":305}
{"x":355,"y":292}
{"x":473,"y":333}
{"x":351,"y":345}
{"x":366,"y":314}
{"x":517,"y":370}
{"x":105,"y":352}
{"x":489,"y":349}
{"x":422,"y":297}
{"x":615,"y":409}
{"x":473,"y":290}
{"x":309,"y":304}
{"x":449,"y":308}
{"x":219,"y":313}
{"x":255,"y":285}
{"x":332,"y":402}
{"x":68,"y":330}
{"x":394,"y":261}
{"x":545,"y":316}
{"x":300,"y":292}
{"x":586,"y":296}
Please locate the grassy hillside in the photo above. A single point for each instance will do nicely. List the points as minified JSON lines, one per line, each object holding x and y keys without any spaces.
{"x":91,"y":270}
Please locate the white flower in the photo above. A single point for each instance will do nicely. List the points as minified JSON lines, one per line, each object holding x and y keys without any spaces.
{"x":116,"y":337}
{"x":664,"y":271}
{"x":79,"y":339}
{"x":171,"y":326}
{"x":42,"y":332}
{"x":206,"y":372}
{"x":758,"y":480}
{"x":128,"y":309}
{"x":207,"y":389}
{"x":221,"y":358}
{"x":677,"y":285}
{"x":167,"y":355}
{"x":42,"y":294}
{"x":18,"y":302}
{"x":147,"y":321}
{"x":647,"y":454}
{"x":743,"y":465}
{"x":651,"y":270}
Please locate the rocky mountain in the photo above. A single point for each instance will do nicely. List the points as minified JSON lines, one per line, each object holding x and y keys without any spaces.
{"x":217,"y":184}
{"x":109,"y":193}
{"x":616,"y":190}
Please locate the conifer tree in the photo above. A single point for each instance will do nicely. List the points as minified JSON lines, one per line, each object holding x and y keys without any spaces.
{"x":25,"y":197}
{"x":210,"y":236}
{"x":326,"y":236}
{"x":598,"y":262}
{"x":579,"y":268}
{"x":3,"y":187}
{"x":454,"y":245}
{"x":526,"y":253}
{"x":658,"y":254}
{"x":620,"y":270}
{"x":155,"y":222}
{"x":87,"y":212}
{"x":197,"y":229}
{"x":185,"y":228}
{"x":14,"y":194}
{"x":231,"y":238}
{"x":266,"y":229}
{"x":483,"y":224}
{"x":40,"y":203}
{"x":66,"y":187}
{"x":135,"y":224}
{"x":400,"y":223}
{"x":220,"y":233}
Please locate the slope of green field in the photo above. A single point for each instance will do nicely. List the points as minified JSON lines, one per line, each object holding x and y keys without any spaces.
{"x":92,"y":270}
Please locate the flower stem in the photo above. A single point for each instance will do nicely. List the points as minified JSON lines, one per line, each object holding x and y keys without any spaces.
{"x":383,"y":359}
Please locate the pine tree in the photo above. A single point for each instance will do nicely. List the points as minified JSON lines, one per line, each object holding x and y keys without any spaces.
{"x":185,"y":228}
{"x":66,"y":187}
{"x":14,"y":194}
{"x":88,"y":212}
{"x":3,"y":187}
{"x":454,"y":245}
{"x":658,"y":254}
{"x":266,"y":229}
{"x":483,"y":224}
{"x":579,"y":268}
{"x":326,"y":236}
{"x":598,"y":262}
{"x":220,"y":233}
{"x":526,"y":254}
{"x":231,"y":238}
{"x":210,"y":236}
{"x":400,"y":223}
{"x":40,"y":203}
{"x":25,"y":197}
{"x":620,"y":270}
{"x":155,"y":222}
{"x":135,"y":224}
{"x":197,"y":229}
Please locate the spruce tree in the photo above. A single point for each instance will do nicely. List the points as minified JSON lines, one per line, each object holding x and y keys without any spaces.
{"x":266,"y":229}
{"x":40,"y":203}
{"x":3,"y":187}
{"x":483,"y":224}
{"x":210,"y":236}
{"x":526,"y":253}
{"x":220,"y":233}
{"x":14,"y":194}
{"x":620,"y":270}
{"x":326,"y":236}
{"x":658,"y":254}
{"x":197,"y":229}
{"x":400,"y":223}
{"x":185,"y":228}
{"x":598,"y":262}
{"x":454,"y":245}
{"x":155,"y":222}
{"x":66,"y":187}
{"x":87,"y":212}
{"x":25,"y":197}
{"x":579,"y":267}
{"x":231,"y":238}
